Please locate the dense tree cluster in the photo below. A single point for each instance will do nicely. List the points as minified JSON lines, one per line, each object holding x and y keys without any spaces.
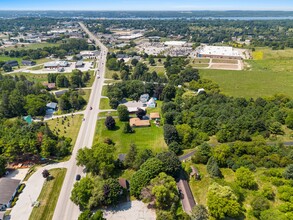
{"x":248,"y":154}
{"x":133,"y":89}
{"x":98,"y":160}
{"x":19,"y":96}
{"x":223,"y":202}
{"x":166,"y":162}
{"x":230,"y":119}
{"x":71,"y":100}
{"x":71,"y":46}
{"x":20,"y":140}
{"x":76,"y":79}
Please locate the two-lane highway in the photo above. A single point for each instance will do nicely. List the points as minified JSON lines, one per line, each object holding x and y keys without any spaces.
{"x":65,"y":208}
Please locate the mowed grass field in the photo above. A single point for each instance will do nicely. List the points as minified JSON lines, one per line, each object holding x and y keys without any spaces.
{"x":271,"y":72}
{"x":49,"y":196}
{"x":145,"y":138}
{"x":71,"y":131}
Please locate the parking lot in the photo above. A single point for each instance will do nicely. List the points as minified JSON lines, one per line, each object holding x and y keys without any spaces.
{"x":134,"y":210}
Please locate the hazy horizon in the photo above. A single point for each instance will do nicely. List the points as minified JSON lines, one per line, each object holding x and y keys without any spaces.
{"x":151,"y":5}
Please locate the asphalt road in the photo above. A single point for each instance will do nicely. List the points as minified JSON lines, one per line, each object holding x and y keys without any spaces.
{"x":65,"y":208}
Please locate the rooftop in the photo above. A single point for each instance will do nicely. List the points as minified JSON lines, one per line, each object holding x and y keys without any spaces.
{"x":136,"y":122}
{"x":154,"y":115}
{"x":219,"y":50}
{"x":7,"y":189}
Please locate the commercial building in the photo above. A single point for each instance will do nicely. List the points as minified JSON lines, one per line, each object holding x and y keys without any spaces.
{"x":90,"y":54}
{"x":56,"y":64}
{"x":28,"y":63}
{"x":175,"y":43}
{"x":12,"y":63}
{"x":219,"y":52}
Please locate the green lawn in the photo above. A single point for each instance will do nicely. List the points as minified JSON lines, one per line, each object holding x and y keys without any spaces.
{"x":86,"y":94}
{"x":104,"y":91}
{"x":160,"y":70}
{"x":265,"y":77}
{"x":104,"y":104}
{"x":109,"y":73}
{"x":199,"y":60}
{"x":37,"y":67}
{"x":224,"y":61}
{"x":105,"y":114}
{"x":65,"y":130}
{"x":49,"y":196}
{"x":33,"y":46}
{"x":7,"y":58}
{"x":148,"y":137}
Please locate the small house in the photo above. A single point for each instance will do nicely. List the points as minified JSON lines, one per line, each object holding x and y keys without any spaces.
{"x":79,"y":64}
{"x":151,"y":103}
{"x":144,"y":98}
{"x":155,"y":115}
{"x":28,"y":119}
{"x":8,"y":189}
{"x":136,"y":122}
{"x":50,"y":85}
{"x":52,"y":106}
{"x":28,"y":63}
{"x":194,"y":173}
{"x":12,"y":63}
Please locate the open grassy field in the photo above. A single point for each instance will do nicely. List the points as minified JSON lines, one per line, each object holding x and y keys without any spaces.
{"x":109,"y":73}
{"x":200,"y":188}
{"x":110,"y":113}
{"x":265,"y":77}
{"x":63,"y":129}
{"x":49,"y":196}
{"x":148,"y":137}
{"x":199,"y":60}
{"x":33,"y":46}
{"x":104,"y":104}
{"x":224,"y":61}
{"x":86,"y":94}
{"x":7,"y":58}
{"x":159,"y":69}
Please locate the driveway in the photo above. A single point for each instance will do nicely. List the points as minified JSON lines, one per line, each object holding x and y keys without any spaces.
{"x":134,"y":210}
{"x":31,"y":192}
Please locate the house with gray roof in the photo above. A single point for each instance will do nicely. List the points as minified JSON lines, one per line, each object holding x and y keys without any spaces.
{"x":8,"y":189}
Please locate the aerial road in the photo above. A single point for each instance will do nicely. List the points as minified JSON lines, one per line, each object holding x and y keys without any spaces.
{"x":65,"y":208}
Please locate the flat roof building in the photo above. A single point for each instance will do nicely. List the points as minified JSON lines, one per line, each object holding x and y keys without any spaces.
{"x":56,"y":64}
{"x":175,"y":43}
{"x":219,"y":52}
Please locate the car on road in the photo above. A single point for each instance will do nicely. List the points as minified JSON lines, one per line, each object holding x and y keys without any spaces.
{"x":77,"y":178}
{"x":98,"y":76}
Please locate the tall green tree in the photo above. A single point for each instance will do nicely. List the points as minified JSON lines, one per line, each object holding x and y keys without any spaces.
{"x":82,"y":192}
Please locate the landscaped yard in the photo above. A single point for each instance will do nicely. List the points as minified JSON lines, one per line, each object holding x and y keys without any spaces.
{"x":49,"y":196}
{"x":265,"y":77}
{"x":104,"y":104}
{"x":148,"y":137}
{"x":63,"y":129}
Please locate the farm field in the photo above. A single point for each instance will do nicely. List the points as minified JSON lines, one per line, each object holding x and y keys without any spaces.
{"x":270,"y":73}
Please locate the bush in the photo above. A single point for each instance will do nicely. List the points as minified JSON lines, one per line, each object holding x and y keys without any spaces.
{"x":110,"y":123}
{"x":127,"y":129}
{"x":21,"y":187}
{"x":175,"y":147}
{"x":288,"y":172}
{"x":259,"y":204}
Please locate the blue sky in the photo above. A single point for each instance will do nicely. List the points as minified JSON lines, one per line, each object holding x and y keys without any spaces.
{"x":146,"y":4}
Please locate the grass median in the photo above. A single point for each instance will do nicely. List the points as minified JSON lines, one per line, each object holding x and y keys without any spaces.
{"x":49,"y":196}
